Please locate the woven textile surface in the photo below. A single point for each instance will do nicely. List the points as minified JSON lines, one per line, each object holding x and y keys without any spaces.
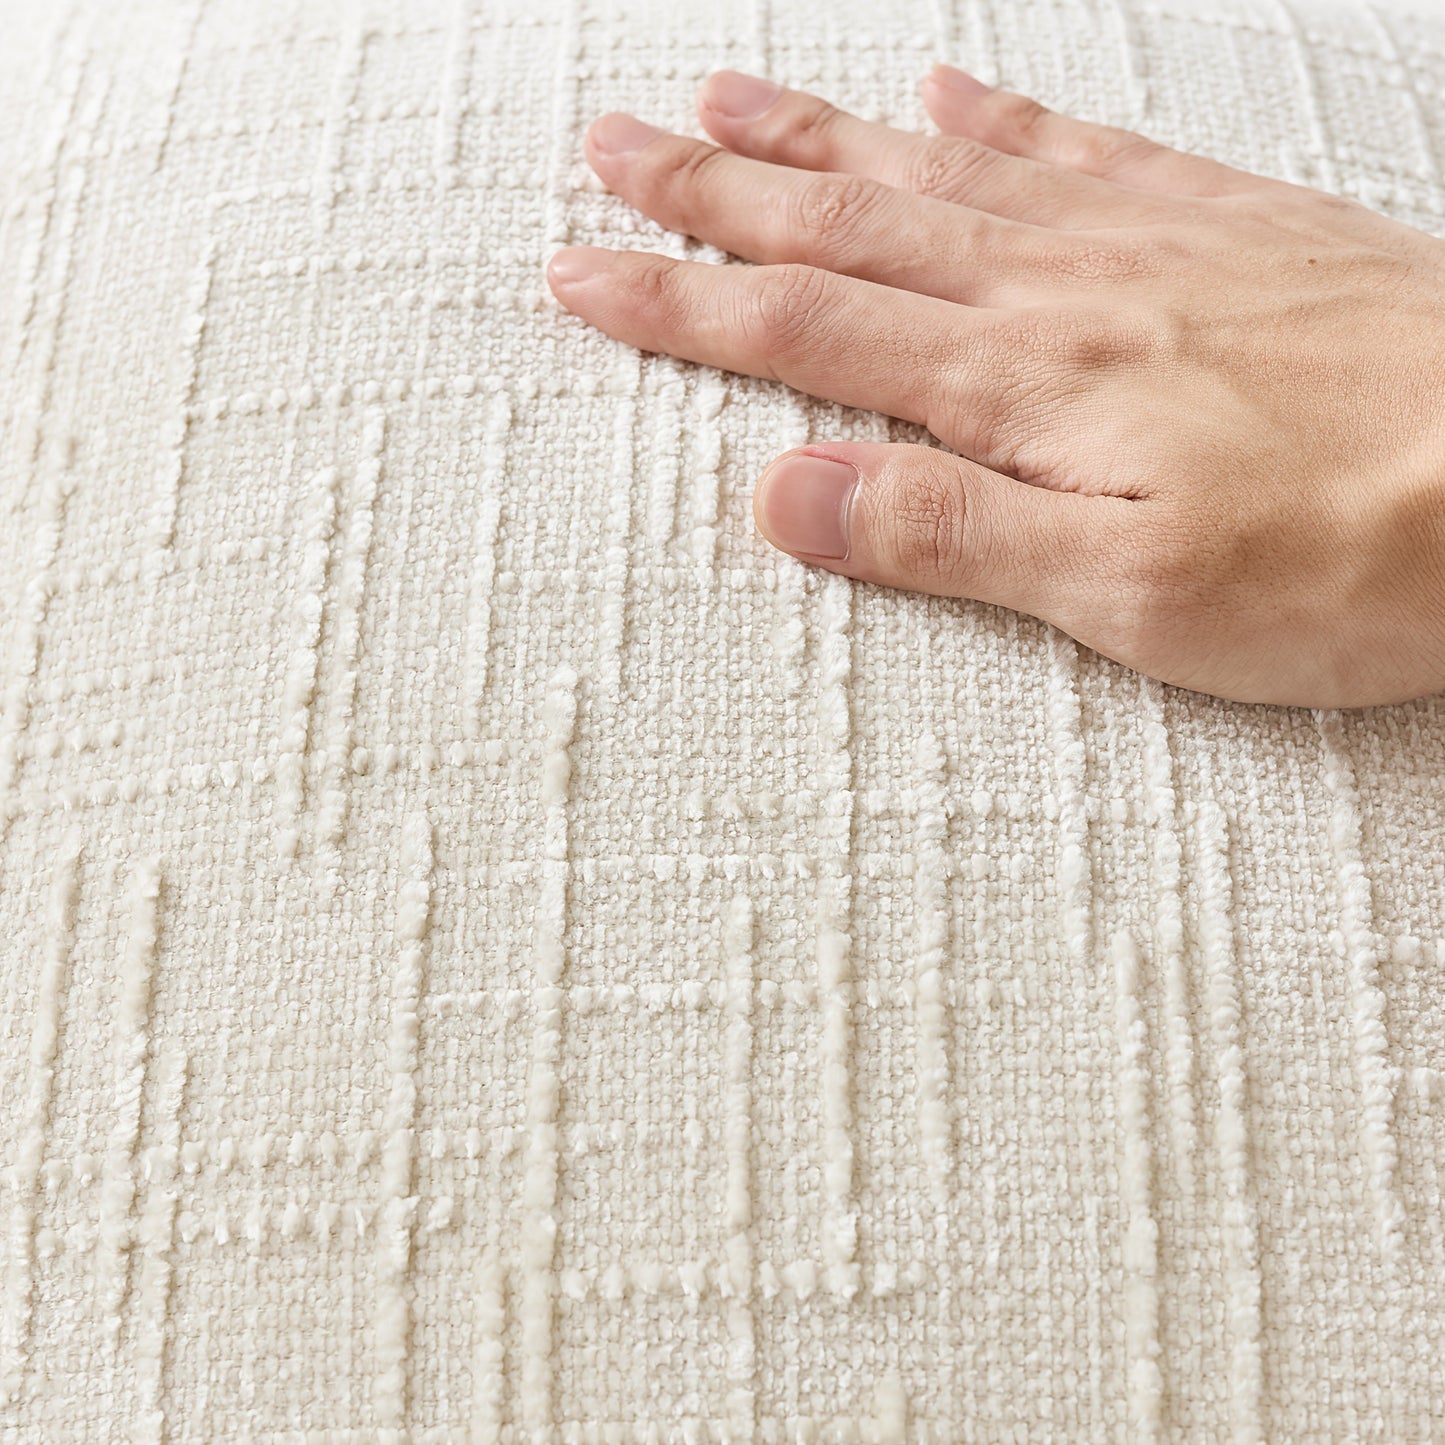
{"x":492,"y":951}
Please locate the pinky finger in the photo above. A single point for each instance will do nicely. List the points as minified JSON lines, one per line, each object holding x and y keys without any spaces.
{"x":1020,"y":125}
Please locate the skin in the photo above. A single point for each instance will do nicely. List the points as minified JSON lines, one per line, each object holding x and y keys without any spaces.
{"x":1199,"y":414}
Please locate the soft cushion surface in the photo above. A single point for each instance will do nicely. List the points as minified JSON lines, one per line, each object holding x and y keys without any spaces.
{"x":492,"y":951}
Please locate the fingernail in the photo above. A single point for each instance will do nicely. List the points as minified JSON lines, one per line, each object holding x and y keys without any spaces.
{"x":576,"y":263}
{"x":743,"y":97}
{"x":804,"y":505}
{"x":618,"y":133}
{"x":958,"y":81}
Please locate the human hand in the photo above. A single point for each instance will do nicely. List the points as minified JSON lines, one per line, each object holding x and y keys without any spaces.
{"x":1201,"y":412}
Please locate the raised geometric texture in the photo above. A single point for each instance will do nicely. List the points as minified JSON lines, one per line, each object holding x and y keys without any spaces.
{"x":493,"y":951}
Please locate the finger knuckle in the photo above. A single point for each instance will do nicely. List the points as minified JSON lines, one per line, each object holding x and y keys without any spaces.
{"x":1120,"y":339}
{"x":1024,"y":116}
{"x":1319,"y":214}
{"x":654,"y":288}
{"x":813,"y":122}
{"x":829,"y":211}
{"x":1036,"y":334}
{"x":1108,"y":148}
{"x":690,"y":168}
{"x":1247,"y":212}
{"x":928,"y":526}
{"x":947,"y":169}
{"x":785,"y":300}
{"x":1109,"y":260}
{"x":1068,"y":340}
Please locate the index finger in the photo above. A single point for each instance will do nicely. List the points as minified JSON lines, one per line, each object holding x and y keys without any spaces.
{"x":855,"y":342}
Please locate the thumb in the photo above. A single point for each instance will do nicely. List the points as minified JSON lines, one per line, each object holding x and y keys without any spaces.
{"x":923,"y":519}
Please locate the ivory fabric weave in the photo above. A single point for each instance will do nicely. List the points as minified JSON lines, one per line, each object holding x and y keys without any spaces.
{"x":492,"y":951}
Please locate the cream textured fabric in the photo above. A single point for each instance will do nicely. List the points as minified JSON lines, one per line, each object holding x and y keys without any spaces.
{"x":494,"y":952}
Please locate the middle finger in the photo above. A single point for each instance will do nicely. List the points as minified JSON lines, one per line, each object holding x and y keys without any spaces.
{"x":845,"y":223}
{"x":758,"y":118}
